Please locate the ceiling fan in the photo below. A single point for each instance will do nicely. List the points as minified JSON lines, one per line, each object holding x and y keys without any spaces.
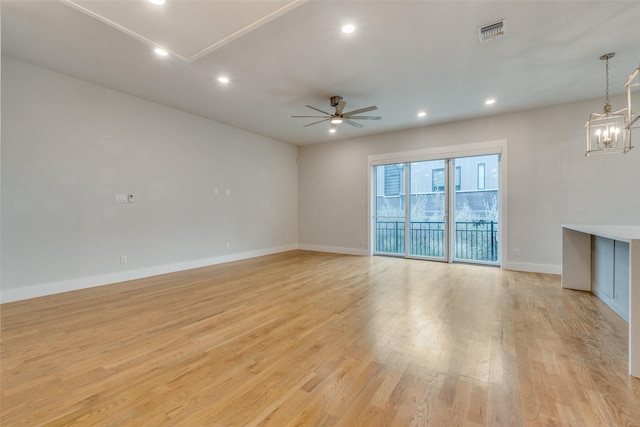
{"x":339,"y":116}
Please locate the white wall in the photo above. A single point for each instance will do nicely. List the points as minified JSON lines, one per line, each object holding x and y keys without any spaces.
{"x":69,"y":146}
{"x":550,"y":181}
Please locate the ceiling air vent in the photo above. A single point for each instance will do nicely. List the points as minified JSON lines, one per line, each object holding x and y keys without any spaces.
{"x":492,"y":31}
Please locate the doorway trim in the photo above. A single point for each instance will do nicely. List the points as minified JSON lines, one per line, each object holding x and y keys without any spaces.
{"x":498,"y":147}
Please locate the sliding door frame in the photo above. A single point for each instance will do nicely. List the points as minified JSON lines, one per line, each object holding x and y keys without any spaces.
{"x":498,"y":147}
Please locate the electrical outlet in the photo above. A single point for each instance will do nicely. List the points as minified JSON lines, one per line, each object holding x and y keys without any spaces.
{"x":124,"y":259}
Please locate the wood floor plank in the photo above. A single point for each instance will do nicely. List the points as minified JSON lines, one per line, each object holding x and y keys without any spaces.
{"x":315,"y":339}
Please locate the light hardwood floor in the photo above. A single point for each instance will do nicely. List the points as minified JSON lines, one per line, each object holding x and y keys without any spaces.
{"x":312,"y":339}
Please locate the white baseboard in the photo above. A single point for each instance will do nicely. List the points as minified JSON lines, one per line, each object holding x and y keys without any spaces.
{"x":533,"y":268}
{"x":26,"y":292}
{"x":333,"y":249}
{"x":517,"y":266}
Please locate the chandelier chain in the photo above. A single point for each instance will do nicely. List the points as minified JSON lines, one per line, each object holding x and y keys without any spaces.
{"x":607,"y":101}
{"x":607,"y":77}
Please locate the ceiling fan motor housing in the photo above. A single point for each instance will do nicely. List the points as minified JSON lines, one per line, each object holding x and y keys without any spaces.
{"x":335,"y":100}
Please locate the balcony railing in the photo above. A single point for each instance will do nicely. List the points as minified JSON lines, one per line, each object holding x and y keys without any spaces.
{"x":474,"y":240}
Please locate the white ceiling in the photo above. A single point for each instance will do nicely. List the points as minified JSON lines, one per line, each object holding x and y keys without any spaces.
{"x":405,"y":56}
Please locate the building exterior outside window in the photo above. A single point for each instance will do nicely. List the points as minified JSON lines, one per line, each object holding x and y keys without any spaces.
{"x":481,"y":176}
{"x":393,"y":180}
{"x":476,"y":183}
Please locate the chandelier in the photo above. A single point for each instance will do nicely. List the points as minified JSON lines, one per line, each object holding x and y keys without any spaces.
{"x":608,"y":132}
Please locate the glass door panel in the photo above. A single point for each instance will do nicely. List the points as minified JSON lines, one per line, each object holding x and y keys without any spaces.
{"x":390,"y":215}
{"x":427,"y":210}
{"x":476,"y":216}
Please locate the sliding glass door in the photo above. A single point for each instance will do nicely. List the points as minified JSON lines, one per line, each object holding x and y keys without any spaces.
{"x":412,"y":223}
{"x":475,"y":233}
{"x":427,"y":203}
{"x":444,"y":209}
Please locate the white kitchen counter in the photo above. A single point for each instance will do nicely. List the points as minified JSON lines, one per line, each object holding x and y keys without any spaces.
{"x":624,"y":233}
{"x":576,"y":271}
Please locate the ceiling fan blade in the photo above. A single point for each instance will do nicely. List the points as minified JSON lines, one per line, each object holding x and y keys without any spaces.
{"x":315,"y":123}
{"x":361,"y":110}
{"x":352,"y":123}
{"x":317,"y":109}
{"x":365,"y":117}
{"x":310,"y":117}
{"x":340,"y":107}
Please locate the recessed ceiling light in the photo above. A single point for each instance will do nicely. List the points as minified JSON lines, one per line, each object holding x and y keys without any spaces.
{"x":158,"y":2}
{"x":348,"y":28}
{"x":490,"y":101}
{"x":422,"y":114}
{"x":160,"y":51}
{"x":223,"y":79}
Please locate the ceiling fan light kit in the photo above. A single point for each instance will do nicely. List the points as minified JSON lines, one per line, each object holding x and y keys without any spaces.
{"x":339,"y":116}
{"x":608,"y":132}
